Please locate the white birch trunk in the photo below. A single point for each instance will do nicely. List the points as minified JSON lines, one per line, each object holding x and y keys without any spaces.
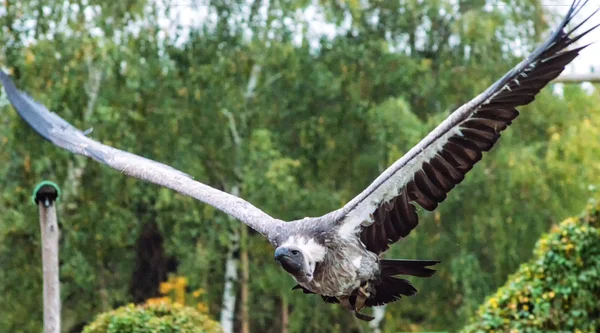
{"x":379,"y":314}
{"x":227,"y":317}
{"x":231,"y":277}
{"x":75,"y":172}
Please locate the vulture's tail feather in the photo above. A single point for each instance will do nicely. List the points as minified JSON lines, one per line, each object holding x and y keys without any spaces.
{"x":392,"y":288}
{"x":390,"y":267}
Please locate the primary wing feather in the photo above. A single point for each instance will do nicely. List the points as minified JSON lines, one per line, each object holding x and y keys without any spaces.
{"x":59,"y":132}
{"x":385,"y":212}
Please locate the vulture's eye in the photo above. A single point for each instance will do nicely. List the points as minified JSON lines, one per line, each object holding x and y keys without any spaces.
{"x":295,"y":252}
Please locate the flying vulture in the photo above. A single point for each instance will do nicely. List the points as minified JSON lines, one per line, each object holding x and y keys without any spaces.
{"x":339,"y":255}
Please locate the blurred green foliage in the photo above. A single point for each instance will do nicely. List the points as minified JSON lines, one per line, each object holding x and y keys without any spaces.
{"x":327,"y":115}
{"x":161,"y":317}
{"x":557,"y":290}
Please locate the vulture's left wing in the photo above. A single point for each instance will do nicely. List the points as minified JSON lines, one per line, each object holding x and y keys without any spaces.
{"x":59,"y":132}
{"x":440,"y":161}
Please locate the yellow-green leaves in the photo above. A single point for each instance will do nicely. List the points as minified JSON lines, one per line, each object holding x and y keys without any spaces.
{"x":153,"y":317}
{"x":557,"y":289}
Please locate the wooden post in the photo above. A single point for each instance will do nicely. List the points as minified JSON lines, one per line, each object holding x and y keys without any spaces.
{"x":44,"y":196}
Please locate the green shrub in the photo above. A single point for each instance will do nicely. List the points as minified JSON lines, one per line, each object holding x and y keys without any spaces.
{"x":558,"y":290}
{"x":161,"y":317}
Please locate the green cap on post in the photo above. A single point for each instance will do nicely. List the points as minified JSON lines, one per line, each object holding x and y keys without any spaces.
{"x":47,"y":192}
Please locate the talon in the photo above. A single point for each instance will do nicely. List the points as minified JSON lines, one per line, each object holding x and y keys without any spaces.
{"x":363,"y":316}
{"x":362,"y":290}
{"x":362,"y":296}
{"x":345,"y":302}
{"x":360,"y":302}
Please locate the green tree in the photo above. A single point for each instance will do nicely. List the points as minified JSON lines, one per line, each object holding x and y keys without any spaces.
{"x":160,"y":317}
{"x":327,"y":114}
{"x":557,"y":289}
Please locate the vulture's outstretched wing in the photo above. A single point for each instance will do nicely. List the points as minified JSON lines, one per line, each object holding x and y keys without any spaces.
{"x":440,"y":161}
{"x":56,"y":130}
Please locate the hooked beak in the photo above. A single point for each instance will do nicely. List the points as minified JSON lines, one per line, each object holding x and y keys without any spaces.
{"x":282,"y":252}
{"x":291,"y":260}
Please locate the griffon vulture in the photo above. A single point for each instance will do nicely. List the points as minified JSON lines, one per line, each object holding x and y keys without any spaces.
{"x":339,"y":255}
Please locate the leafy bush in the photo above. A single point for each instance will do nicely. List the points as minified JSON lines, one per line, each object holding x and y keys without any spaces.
{"x":557,"y":290}
{"x":163,"y":317}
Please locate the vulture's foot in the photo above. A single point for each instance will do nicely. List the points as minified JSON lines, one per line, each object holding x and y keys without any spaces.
{"x":345,"y":302}
{"x":361,"y":296}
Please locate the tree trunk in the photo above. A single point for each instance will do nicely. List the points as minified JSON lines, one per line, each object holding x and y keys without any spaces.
{"x":379,"y":314}
{"x":245,"y":276}
{"x":285,"y":319}
{"x":231,"y":278}
{"x":228,"y":305}
{"x":152,"y":265}
{"x":75,"y":172}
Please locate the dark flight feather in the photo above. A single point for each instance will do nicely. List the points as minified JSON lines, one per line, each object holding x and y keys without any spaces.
{"x":478,"y":133}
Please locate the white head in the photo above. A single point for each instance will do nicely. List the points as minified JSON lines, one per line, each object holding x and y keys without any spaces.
{"x":299,"y":256}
